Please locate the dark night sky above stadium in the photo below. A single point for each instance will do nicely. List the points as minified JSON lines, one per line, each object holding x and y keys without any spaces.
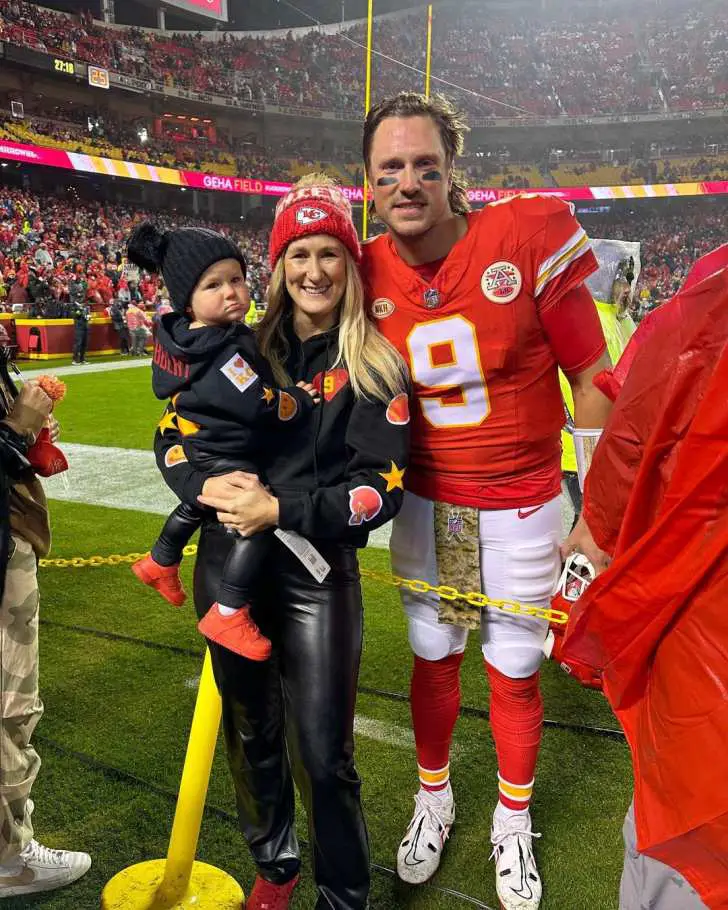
{"x":245,"y":14}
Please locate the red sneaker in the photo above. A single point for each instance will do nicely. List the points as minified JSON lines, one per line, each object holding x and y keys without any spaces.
{"x":164,"y":579}
{"x":267,"y":896}
{"x":236,"y":632}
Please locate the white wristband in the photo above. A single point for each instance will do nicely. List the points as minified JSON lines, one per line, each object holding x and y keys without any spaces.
{"x":585,"y":441}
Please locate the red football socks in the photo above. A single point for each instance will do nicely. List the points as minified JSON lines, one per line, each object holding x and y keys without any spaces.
{"x":435,"y":700}
{"x":516,"y":720}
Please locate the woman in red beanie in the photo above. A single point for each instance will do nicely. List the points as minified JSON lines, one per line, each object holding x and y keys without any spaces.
{"x":333,"y":480}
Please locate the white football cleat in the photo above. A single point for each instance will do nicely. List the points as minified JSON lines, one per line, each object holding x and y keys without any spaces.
{"x":517,"y":881}
{"x":38,"y":868}
{"x":421,"y":849}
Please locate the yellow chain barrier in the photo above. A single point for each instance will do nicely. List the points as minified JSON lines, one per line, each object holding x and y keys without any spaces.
{"x":473,"y":598}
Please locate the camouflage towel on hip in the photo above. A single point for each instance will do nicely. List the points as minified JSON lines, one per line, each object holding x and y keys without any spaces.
{"x":457,"y":545}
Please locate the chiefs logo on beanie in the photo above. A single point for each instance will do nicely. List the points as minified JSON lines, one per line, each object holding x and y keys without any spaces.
{"x":308,"y":210}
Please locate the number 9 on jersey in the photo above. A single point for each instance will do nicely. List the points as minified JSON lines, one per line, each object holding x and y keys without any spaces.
{"x":444,"y":357}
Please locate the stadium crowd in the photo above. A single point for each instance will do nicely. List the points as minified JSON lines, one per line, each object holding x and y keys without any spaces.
{"x":572,"y":61}
{"x":56,"y":253}
{"x":670,"y":245}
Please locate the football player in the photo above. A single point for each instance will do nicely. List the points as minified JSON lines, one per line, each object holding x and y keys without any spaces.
{"x":485,"y":307}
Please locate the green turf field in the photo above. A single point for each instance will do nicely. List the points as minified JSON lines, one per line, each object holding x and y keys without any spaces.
{"x":118,"y":676}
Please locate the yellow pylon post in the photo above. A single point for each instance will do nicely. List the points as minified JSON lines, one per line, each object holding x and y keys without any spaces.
{"x":428,"y":52}
{"x":180,"y":883}
{"x":367,"y":106}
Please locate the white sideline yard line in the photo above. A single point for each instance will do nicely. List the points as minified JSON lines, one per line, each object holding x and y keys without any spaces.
{"x":112,"y":477}
{"x":83,"y":369}
{"x":125,"y":479}
{"x":128,"y":479}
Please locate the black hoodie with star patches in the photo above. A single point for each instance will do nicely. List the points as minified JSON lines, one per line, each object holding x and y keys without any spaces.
{"x":224,"y":405}
{"x":340,"y":474}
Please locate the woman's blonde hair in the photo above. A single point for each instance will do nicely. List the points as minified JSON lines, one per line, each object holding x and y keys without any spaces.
{"x":376,"y":370}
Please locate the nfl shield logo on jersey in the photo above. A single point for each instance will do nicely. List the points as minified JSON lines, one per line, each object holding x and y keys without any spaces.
{"x":455,"y":524}
{"x":432,"y":299}
{"x":501,"y":282}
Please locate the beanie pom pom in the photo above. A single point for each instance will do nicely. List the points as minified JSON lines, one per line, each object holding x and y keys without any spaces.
{"x":146,"y":247}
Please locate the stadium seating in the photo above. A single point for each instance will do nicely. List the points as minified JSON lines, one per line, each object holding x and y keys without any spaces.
{"x":569,"y":61}
{"x":85,"y":238}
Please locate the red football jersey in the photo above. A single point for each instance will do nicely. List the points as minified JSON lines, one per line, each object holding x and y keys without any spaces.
{"x":486,"y":428}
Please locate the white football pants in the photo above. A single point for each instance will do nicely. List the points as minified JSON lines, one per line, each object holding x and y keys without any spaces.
{"x":519,"y":560}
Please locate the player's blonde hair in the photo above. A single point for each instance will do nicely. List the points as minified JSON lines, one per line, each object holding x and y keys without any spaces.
{"x":376,"y":369}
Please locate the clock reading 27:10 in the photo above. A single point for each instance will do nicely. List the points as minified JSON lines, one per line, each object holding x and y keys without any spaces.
{"x":64,"y":66}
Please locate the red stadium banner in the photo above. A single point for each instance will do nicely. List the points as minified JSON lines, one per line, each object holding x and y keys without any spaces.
{"x":249,"y":186}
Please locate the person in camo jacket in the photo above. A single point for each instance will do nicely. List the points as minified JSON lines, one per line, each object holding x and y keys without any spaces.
{"x":26,"y":866}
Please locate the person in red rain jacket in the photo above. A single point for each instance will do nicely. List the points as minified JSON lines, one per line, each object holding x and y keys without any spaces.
{"x":653,"y":624}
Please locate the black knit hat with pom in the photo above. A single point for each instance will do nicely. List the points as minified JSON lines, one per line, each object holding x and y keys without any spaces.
{"x":182,"y":256}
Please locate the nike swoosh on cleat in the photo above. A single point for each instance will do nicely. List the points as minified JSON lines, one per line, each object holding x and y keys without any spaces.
{"x":412,"y":852}
{"x":522,"y":892}
{"x":526,"y":513}
{"x":26,"y":877}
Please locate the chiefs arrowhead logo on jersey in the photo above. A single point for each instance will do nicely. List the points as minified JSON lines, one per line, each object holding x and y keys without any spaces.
{"x":501,"y":282}
{"x":330,"y":383}
{"x":309,"y":215}
{"x":398,"y":410}
{"x":287,"y":406}
{"x":365,"y":504}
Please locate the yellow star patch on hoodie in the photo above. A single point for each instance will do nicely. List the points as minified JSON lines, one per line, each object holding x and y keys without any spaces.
{"x":394,"y":478}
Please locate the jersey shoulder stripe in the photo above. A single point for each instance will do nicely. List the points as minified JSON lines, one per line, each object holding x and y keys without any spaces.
{"x":575,"y":246}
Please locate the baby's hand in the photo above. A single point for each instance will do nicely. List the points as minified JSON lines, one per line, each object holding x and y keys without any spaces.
{"x":312,"y":390}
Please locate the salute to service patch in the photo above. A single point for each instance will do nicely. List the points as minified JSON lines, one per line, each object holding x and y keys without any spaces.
{"x":501,"y":282}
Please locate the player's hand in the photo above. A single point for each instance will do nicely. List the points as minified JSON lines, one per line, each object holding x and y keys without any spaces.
{"x":30,"y":410}
{"x":251,"y":509}
{"x":581,"y":541}
{"x":312,"y":390}
{"x":576,"y":577}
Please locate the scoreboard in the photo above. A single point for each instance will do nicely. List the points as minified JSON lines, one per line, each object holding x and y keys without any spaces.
{"x":213,"y":9}
{"x":61,"y":67}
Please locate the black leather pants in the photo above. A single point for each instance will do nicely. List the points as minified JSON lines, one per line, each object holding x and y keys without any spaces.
{"x":292,"y":717}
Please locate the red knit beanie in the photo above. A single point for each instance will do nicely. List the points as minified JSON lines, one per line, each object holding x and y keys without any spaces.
{"x":310,"y":210}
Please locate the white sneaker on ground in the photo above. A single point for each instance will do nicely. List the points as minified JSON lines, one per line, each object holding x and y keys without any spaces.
{"x":517,"y":881}
{"x":38,"y":868}
{"x":419,"y":853}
